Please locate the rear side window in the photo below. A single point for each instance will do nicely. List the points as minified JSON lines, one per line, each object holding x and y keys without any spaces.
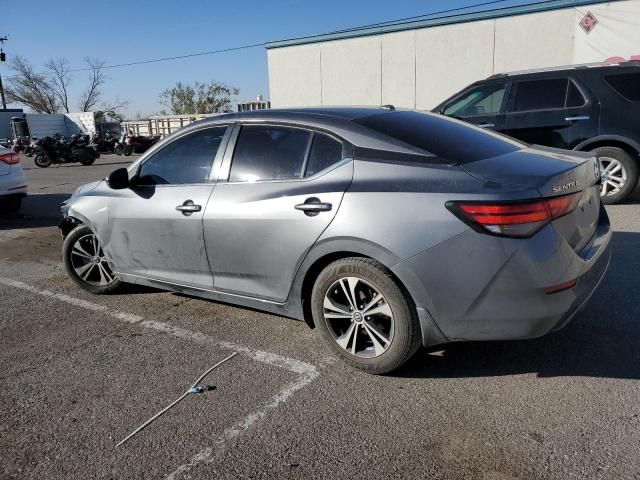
{"x":540,"y":94}
{"x":187,"y":160}
{"x":325,"y":151}
{"x":451,"y":140}
{"x":269,"y":153}
{"x":627,"y":85}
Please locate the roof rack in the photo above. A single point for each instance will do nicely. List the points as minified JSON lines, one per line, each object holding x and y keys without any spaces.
{"x":568,"y":67}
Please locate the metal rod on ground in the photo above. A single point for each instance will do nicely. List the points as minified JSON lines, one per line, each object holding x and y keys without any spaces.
{"x":190,"y":390}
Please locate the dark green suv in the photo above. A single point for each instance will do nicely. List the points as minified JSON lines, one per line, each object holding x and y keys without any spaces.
{"x":583,"y":107}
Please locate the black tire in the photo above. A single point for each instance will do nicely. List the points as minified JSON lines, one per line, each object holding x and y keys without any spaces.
{"x":70,"y":241}
{"x":10,"y":204}
{"x":118,"y":149}
{"x":630,"y":167}
{"x":87,"y":161}
{"x":406,"y":339}
{"x":42,"y":160}
{"x":128,"y":150}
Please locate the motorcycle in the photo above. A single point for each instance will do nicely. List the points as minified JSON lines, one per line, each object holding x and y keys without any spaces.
{"x":105,"y":142}
{"x":56,"y":149}
{"x":130,"y":143}
{"x":20,"y":143}
{"x":30,"y":149}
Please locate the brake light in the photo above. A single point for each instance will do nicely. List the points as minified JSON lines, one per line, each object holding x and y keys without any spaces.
{"x":514,"y":219}
{"x":10,"y":158}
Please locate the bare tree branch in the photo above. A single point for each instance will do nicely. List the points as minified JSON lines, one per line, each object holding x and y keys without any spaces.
{"x":91,"y":96}
{"x":59,"y":80}
{"x":30,"y":88}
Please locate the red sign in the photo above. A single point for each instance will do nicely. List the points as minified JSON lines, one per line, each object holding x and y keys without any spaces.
{"x":588,"y":22}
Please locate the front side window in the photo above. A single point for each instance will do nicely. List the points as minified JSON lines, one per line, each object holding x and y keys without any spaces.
{"x":627,"y":85}
{"x":325,"y":151}
{"x":540,"y":94}
{"x":485,"y":100}
{"x":269,"y":153}
{"x":187,"y":160}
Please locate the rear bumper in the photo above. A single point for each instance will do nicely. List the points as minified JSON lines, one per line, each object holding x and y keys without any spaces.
{"x":479,"y":287}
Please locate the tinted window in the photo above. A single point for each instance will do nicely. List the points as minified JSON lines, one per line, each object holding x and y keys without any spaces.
{"x":269,"y":153}
{"x":451,"y":140}
{"x":325,"y":151}
{"x":540,"y":94}
{"x":627,"y":85}
{"x":483,"y":100}
{"x":185,"y":160}
{"x":574,"y":97}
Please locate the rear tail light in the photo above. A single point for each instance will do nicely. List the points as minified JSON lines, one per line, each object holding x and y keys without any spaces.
{"x":10,"y":158}
{"x":519,"y":219}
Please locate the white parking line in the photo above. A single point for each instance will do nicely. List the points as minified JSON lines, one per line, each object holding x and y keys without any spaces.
{"x":306,"y":372}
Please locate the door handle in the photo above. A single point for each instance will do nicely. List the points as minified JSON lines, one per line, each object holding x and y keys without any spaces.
{"x":188,"y":208}
{"x":577,"y":117}
{"x":487,"y":125}
{"x":313,"y":206}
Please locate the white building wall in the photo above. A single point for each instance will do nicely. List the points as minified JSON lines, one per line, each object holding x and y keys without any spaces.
{"x":295,"y":78}
{"x":420,"y":68}
{"x":533,"y":41}
{"x":352,"y":72}
{"x":449,"y":58}
{"x":399,"y":69}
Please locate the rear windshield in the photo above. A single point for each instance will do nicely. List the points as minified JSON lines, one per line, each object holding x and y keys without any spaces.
{"x":451,"y":140}
{"x":627,"y":85}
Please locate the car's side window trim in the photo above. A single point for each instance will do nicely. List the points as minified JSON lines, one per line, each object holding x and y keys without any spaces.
{"x":514,"y":91}
{"x":225,"y":170}
{"x":218,"y":157}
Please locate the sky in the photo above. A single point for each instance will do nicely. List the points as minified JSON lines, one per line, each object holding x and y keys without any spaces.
{"x":126,"y":31}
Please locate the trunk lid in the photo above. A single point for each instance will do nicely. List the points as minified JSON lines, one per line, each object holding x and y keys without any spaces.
{"x":553,"y":173}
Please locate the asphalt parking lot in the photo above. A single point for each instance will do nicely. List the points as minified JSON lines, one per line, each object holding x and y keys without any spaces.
{"x":80,"y":372}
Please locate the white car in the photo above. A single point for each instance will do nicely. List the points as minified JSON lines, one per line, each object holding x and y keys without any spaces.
{"x":13,"y":185}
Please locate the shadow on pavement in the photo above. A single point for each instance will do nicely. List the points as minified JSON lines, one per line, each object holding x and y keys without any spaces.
{"x":603,"y":340}
{"x":42,"y":210}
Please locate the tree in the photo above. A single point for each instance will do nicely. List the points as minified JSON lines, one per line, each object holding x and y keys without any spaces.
{"x":30,"y":88}
{"x":48,"y":92}
{"x":214,"y":97}
{"x":58,"y":79}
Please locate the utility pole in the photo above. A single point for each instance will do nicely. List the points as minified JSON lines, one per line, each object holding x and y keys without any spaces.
{"x":2,"y":59}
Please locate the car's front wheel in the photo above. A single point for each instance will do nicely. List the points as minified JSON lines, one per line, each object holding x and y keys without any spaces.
{"x":618,"y":172}
{"x":365,"y":315}
{"x":86,"y":264}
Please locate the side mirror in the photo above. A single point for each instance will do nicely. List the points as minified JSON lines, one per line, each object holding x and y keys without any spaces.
{"x":118,"y":179}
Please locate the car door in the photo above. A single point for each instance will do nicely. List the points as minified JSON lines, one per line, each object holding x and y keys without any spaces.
{"x":155,"y":227}
{"x":480,"y":105}
{"x":551,"y":111}
{"x":281,"y":186}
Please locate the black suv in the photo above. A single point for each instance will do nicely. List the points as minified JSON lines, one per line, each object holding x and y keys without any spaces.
{"x":583,"y":107}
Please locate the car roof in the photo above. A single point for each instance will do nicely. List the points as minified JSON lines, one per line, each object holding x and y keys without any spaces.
{"x":578,"y":68}
{"x":343,"y":113}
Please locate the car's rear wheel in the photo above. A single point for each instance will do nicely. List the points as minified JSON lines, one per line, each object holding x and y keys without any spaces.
{"x":365,"y":316}
{"x":86,"y":263}
{"x":619,"y":174}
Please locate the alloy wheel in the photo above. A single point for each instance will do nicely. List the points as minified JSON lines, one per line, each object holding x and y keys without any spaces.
{"x":613,"y":175}
{"x":89,"y":263}
{"x":358,"y":317}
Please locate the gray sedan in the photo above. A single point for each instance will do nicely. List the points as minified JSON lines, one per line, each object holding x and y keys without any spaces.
{"x":387,"y":230}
